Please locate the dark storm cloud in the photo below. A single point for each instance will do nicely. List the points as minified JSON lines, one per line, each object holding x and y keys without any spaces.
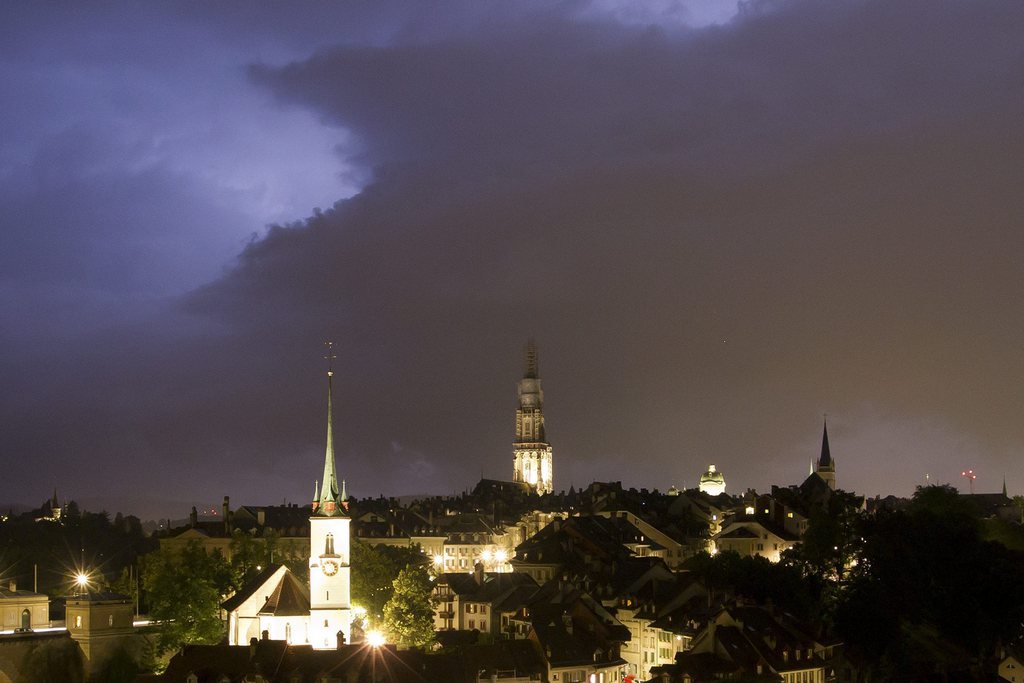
{"x":715,"y":235}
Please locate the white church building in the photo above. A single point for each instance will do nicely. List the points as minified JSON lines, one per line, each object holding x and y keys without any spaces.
{"x":276,"y":604}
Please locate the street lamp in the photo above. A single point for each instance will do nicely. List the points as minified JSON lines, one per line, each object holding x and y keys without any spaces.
{"x":970,"y":476}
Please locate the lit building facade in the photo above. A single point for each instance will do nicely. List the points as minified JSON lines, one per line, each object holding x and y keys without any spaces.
{"x":532,"y":461}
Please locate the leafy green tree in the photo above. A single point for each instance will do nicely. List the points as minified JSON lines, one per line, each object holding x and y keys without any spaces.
{"x":125,"y":584}
{"x":374,"y":570}
{"x":247,"y":558}
{"x":409,"y":614}
{"x":184,"y":590}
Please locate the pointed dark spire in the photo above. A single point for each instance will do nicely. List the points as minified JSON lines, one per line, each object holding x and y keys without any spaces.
{"x":825,"y":460}
{"x":329,"y":487}
{"x":531,"y":360}
{"x":1004,"y":486}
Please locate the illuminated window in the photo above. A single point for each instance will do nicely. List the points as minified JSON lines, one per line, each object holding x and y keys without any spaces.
{"x":110,"y":620}
{"x":78,"y":621}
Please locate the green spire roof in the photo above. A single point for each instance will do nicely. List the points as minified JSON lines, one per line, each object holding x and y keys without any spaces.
{"x":328,"y":501}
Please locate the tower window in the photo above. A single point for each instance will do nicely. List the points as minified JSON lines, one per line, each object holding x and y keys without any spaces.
{"x":329,"y":545}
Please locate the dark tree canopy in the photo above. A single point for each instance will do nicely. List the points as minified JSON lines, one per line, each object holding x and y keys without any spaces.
{"x":928,"y":593}
{"x":185,"y":589}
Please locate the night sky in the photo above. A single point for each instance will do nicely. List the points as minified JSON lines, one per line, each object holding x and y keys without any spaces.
{"x":717,"y":223}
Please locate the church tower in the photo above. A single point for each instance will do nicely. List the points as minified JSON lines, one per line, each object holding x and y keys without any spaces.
{"x":531,"y":451}
{"x":330,"y":612}
{"x":826,"y":467}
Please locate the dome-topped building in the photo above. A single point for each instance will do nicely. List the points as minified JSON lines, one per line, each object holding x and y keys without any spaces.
{"x":712,"y":482}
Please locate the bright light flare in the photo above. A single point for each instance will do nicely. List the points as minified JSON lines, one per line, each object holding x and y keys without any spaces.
{"x":82,"y":580}
{"x":501,"y":556}
{"x":375,"y":639}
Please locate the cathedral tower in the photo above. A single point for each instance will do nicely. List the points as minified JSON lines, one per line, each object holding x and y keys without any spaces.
{"x":826,"y":468}
{"x":330,"y":612}
{"x":531,"y":451}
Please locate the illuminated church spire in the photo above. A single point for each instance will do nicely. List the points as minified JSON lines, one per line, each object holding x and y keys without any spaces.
{"x":327,"y":504}
{"x":532,"y":462}
{"x":330,"y":610}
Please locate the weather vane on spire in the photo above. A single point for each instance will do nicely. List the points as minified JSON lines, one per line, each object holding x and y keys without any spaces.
{"x":330,"y":358}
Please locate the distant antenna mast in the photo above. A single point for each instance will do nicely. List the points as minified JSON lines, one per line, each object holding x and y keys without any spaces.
{"x":330,"y":358}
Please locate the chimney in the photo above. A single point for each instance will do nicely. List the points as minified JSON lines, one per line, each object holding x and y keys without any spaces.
{"x":225,"y":514}
{"x":478,"y":573}
{"x":13,"y":585}
{"x":253,"y":642}
{"x":193,"y":518}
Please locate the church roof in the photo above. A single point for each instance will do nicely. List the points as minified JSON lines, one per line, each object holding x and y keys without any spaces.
{"x":288,"y":599}
{"x":250,"y":588}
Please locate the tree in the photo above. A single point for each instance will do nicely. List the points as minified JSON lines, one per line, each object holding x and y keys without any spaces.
{"x":247,"y":558}
{"x":374,"y":570}
{"x":929,"y":596}
{"x":409,"y":614}
{"x":758,"y":579}
{"x":831,"y":541}
{"x":184,"y":591}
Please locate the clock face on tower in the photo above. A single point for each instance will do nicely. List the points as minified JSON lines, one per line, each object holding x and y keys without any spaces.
{"x":330,"y":567}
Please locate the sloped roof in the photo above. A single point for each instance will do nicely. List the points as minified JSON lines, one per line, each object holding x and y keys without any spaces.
{"x":495,"y":584}
{"x":289,"y":598}
{"x":250,"y":588}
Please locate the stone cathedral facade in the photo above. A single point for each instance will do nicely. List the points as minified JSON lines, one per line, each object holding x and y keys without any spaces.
{"x":531,"y":450}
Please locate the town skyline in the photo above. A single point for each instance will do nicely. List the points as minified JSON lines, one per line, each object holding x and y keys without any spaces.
{"x":718,"y":221}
